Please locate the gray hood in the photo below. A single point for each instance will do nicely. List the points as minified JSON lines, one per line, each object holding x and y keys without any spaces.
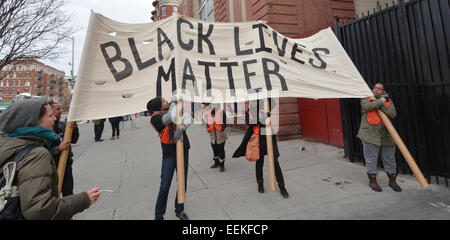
{"x":21,"y":114}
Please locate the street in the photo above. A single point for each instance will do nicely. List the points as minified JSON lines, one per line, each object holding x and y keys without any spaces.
{"x":321,"y":183}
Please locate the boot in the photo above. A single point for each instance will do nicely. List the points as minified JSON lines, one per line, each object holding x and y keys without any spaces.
{"x":112,"y":138}
{"x":216,"y":163}
{"x":393,"y":183}
{"x":260,"y":186}
{"x":283,"y":191}
{"x":222,"y":165}
{"x":373,"y":183}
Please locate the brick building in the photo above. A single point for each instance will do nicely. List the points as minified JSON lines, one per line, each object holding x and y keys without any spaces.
{"x":319,"y":120}
{"x":364,"y":7}
{"x":34,"y":77}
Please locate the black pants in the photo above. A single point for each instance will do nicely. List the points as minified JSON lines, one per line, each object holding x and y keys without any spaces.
{"x":115,"y":129}
{"x":218,"y":150}
{"x":259,"y":170}
{"x":67,"y":186}
{"x":98,"y":130}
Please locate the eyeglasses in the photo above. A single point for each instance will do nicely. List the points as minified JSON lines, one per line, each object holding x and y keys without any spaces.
{"x":377,"y":88}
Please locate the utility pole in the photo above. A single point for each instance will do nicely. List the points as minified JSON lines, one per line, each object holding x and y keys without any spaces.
{"x":73,"y":59}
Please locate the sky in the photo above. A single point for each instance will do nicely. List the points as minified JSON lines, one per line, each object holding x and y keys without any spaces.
{"x":127,"y":11}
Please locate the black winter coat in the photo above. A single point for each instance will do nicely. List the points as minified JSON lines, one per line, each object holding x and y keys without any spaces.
{"x":262,"y":138}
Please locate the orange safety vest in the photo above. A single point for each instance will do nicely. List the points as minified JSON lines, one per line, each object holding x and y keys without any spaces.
{"x":164,"y":135}
{"x":214,"y":122}
{"x":372,"y":116}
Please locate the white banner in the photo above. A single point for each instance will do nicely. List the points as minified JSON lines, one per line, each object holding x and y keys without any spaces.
{"x":123,"y":66}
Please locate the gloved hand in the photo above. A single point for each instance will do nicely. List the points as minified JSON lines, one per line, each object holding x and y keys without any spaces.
{"x":173,"y":99}
{"x":177,"y":135}
{"x":186,"y":122}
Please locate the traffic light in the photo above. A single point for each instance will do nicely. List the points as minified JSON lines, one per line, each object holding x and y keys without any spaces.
{"x":18,"y":91}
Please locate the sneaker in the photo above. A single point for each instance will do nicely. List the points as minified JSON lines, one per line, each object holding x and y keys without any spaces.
{"x":182,"y":216}
{"x":99,"y":140}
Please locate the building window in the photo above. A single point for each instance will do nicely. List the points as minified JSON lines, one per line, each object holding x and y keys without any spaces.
{"x":27,"y":83}
{"x":27,"y":75}
{"x":163,"y":11}
{"x":175,"y":9}
{"x":206,"y":10}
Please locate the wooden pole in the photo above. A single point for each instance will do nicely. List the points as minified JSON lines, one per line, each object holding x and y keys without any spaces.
{"x":269,"y":147}
{"x":402,"y":147}
{"x":63,"y":157}
{"x":180,"y":157}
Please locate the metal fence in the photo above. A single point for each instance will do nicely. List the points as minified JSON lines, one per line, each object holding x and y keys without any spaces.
{"x":406,"y":46}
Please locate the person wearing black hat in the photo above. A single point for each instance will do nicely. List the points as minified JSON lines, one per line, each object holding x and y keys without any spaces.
{"x":161,"y":120}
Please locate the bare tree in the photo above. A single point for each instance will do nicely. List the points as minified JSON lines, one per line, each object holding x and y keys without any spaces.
{"x":32,"y":29}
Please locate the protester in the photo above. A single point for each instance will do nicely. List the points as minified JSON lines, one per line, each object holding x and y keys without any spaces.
{"x":30,"y":122}
{"x":58,"y":146}
{"x":375,"y":137}
{"x":99,"y":124}
{"x":215,"y":125}
{"x":115,"y":121}
{"x":255,"y":123}
{"x":165,"y":126}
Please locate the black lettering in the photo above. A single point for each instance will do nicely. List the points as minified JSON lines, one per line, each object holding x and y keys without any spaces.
{"x":190,"y":76}
{"x":161,"y":42}
{"x":275,"y":71}
{"x":204,"y":38}
{"x":294,"y":51}
{"x":323,"y":64}
{"x":229,"y":66}
{"x":137,"y":58}
{"x":263,"y":47}
{"x":207,"y":75}
{"x":183,"y":45}
{"x":237,"y":46}
{"x":166,"y":76}
{"x":282,"y":50}
{"x":109,"y":61}
{"x":247,"y":74}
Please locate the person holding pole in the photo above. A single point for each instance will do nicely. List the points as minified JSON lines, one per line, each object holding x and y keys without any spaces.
{"x":255,"y":123}
{"x":376,"y":139}
{"x":30,"y":123}
{"x":215,"y":119}
{"x":58,"y":146}
{"x":163,"y":121}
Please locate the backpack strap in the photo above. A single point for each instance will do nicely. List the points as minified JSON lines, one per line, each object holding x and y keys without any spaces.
{"x":17,"y":157}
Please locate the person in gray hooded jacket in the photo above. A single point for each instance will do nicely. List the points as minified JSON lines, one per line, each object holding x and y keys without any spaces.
{"x":30,"y":122}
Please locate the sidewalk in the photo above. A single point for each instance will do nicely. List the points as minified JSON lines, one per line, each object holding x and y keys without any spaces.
{"x":321,"y":183}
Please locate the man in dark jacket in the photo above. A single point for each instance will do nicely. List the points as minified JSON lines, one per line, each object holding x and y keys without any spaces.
{"x":165,"y":126}
{"x":58,"y":146}
{"x":255,"y":121}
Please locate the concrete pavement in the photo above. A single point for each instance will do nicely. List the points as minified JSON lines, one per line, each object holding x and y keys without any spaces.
{"x":321,"y":183}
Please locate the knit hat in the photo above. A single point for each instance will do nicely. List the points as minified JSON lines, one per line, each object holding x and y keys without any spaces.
{"x":154,"y":105}
{"x":21,"y":114}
